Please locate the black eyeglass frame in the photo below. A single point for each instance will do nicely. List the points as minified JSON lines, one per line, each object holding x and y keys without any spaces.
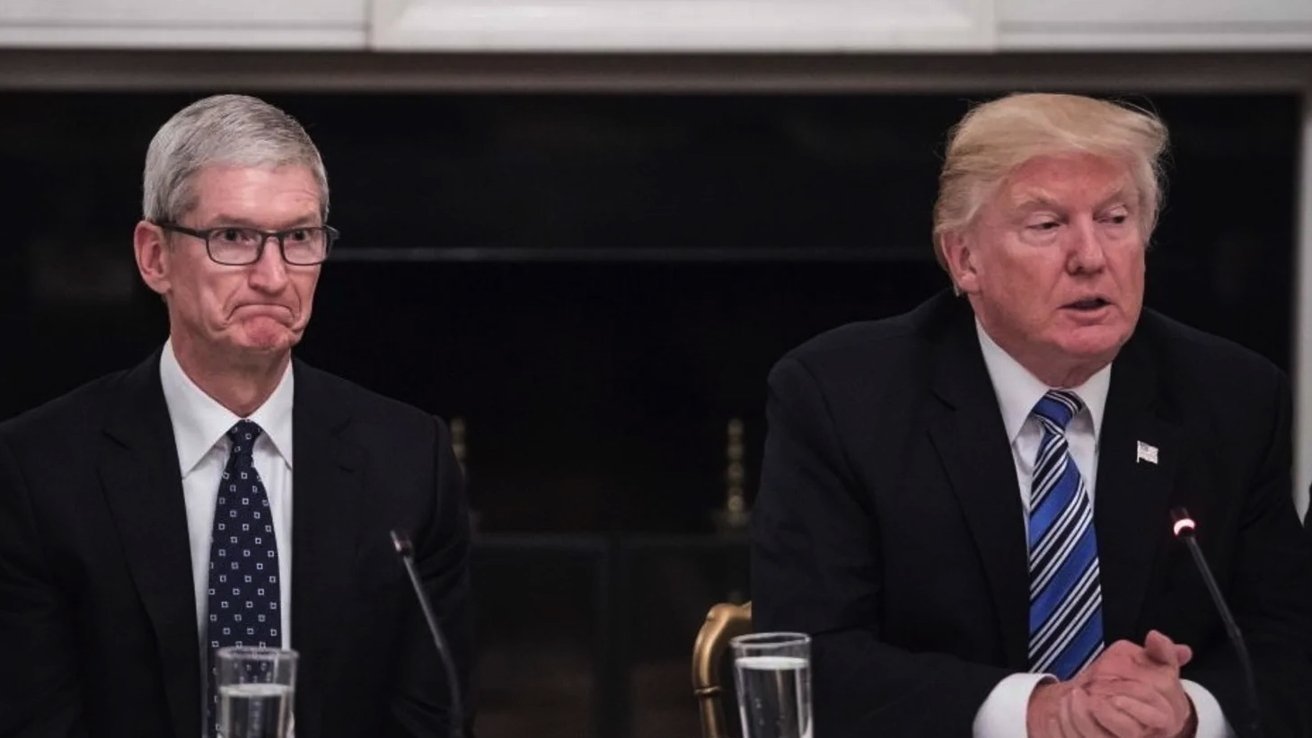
{"x":330,"y":234}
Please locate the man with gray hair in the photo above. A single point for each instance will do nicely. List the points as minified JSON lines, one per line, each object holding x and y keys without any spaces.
{"x":223,"y":493}
{"x":968,"y":506}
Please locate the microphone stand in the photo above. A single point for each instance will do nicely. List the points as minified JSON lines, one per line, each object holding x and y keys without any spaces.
{"x":406,"y":551}
{"x":1184,"y":527}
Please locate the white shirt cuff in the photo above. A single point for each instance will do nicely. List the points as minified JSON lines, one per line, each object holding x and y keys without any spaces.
{"x":1003,"y":713}
{"x":1211,"y":721}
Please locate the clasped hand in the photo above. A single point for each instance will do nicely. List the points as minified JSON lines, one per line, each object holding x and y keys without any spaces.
{"x":1128,"y":691}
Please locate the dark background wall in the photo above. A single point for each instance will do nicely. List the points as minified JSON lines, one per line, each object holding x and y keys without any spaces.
{"x":596,"y":284}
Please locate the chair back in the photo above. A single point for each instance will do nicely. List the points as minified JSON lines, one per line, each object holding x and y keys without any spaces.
{"x":723,"y":622}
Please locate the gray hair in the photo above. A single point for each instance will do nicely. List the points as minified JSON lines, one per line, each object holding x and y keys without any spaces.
{"x":997,"y":137}
{"x":231,"y":130}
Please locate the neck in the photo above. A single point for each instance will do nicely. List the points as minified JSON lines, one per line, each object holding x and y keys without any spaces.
{"x":1061,"y":373}
{"x":1067,"y":378}
{"x":239,"y":383}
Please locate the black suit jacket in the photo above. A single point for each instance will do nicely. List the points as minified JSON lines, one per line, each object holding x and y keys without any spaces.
{"x":890,"y":527}
{"x":98,"y":629}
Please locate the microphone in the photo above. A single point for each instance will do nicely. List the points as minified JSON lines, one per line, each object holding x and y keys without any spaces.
{"x":406,"y":551}
{"x":1183,"y":526}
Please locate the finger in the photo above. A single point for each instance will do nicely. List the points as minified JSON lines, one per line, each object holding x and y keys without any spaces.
{"x":1150,"y":716}
{"x":1109,"y":716}
{"x":1121,"y":658}
{"x":1061,"y":728}
{"x":1163,"y":696}
{"x":1163,"y":691}
{"x":1183,"y":654}
{"x":1135,"y":691}
{"x":1121,"y":647}
{"x":1163,"y":650}
{"x":1078,"y":711}
{"x":1160,"y":648}
{"x":1163,"y":679}
{"x":1062,"y":725}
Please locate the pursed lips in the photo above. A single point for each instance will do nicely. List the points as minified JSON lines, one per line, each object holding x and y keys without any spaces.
{"x":271,"y":309}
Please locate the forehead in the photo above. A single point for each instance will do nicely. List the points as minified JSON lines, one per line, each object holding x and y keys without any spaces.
{"x":253,"y":186}
{"x":1066,"y":179}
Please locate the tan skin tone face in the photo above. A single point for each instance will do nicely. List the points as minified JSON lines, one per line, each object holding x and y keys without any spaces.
{"x":1053,"y":264}
{"x":235,"y":324}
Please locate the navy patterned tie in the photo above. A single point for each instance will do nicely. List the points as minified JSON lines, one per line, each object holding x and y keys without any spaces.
{"x":1065,"y":594}
{"x":243,"y":587}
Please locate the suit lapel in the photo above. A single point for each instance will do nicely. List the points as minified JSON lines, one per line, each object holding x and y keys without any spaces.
{"x":1132,"y":496}
{"x":972,"y":443}
{"x":325,"y":532}
{"x":143,"y":488}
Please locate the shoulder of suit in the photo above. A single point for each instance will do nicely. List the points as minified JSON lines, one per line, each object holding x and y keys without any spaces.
{"x":1186,"y":349}
{"x":84,"y":407}
{"x":361,"y":402}
{"x":879,"y":337}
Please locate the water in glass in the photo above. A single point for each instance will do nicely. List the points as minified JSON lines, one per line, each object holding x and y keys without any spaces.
{"x":774,"y":696}
{"x":254,"y":710}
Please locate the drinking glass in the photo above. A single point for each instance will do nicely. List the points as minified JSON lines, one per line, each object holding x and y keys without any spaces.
{"x":256,"y":688}
{"x":773,"y":672}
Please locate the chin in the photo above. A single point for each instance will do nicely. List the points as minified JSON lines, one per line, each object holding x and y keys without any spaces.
{"x":1094,"y":345}
{"x":264,"y":335}
{"x":268,"y":343}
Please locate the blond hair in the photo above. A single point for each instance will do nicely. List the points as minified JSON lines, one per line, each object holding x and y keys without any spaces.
{"x":995,"y":138}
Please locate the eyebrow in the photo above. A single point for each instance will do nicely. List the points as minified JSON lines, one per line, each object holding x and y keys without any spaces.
{"x":1041,"y":202}
{"x":238,"y":222}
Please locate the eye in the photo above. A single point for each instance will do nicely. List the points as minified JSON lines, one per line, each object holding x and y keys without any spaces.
{"x":233,"y":235}
{"x":1043,"y":224}
{"x":297,"y":235}
{"x":1119,"y":216}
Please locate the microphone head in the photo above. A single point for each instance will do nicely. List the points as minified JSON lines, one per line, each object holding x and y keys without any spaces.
{"x":402,"y":543}
{"x":1182,"y":525}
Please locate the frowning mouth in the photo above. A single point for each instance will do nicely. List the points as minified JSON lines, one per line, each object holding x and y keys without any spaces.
{"x":277,"y":311}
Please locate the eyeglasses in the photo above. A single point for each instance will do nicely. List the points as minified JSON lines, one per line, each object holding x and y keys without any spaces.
{"x":233,"y":246}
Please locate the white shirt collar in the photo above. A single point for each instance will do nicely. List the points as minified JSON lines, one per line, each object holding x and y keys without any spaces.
{"x":200,"y":422}
{"x":1019,"y":391}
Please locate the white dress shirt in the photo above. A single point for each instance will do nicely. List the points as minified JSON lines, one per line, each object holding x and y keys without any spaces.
{"x":1003,"y":713}
{"x":200,"y":427}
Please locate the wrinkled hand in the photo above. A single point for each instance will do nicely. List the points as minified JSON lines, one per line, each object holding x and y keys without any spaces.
{"x":1129,"y":691}
{"x":1143,"y":685}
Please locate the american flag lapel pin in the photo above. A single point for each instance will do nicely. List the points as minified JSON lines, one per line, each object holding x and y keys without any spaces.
{"x":1145,"y":452}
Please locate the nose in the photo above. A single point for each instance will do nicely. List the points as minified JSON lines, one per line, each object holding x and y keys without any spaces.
{"x":1085,"y":248}
{"x":269,"y":273}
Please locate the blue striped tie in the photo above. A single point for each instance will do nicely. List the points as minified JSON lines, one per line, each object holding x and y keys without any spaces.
{"x":1065,"y":597}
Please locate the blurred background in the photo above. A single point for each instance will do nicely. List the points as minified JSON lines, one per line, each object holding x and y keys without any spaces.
{"x":583,"y":231}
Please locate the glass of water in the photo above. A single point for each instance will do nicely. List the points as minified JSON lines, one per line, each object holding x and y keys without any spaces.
{"x":256,"y":686}
{"x":773,"y":672}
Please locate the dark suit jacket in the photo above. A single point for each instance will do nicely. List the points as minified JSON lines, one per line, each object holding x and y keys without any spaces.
{"x":890,"y":527}
{"x":97,"y":607}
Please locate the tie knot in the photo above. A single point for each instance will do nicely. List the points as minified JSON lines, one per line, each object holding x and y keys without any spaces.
{"x":243,"y":436}
{"x":1058,"y":407}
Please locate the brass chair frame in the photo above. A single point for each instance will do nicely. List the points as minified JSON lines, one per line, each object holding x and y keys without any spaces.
{"x":723,"y":622}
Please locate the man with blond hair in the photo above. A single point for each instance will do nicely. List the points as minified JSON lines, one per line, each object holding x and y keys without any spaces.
{"x":968,"y":506}
{"x":222,"y":493}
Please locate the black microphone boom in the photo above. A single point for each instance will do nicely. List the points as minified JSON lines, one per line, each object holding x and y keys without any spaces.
{"x":407,"y":553}
{"x":1183,"y":526}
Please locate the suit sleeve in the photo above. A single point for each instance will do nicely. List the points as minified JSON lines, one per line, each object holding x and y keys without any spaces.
{"x":1270,"y":592}
{"x":40,"y":688}
{"x":816,"y":568}
{"x":422,"y":705}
